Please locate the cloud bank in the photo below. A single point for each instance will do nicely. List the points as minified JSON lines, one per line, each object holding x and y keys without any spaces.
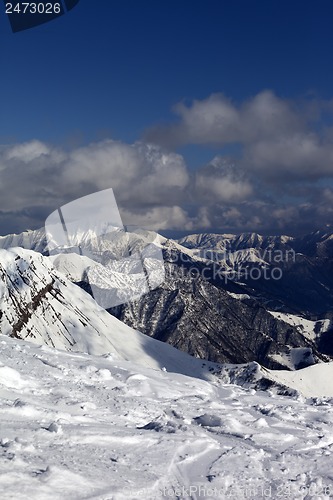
{"x":278,"y":137}
{"x":279,"y":180}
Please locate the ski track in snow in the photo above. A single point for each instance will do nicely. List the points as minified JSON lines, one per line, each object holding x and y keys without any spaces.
{"x":76,"y":426}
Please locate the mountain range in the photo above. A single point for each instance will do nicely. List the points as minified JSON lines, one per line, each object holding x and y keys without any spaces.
{"x":211,"y":304}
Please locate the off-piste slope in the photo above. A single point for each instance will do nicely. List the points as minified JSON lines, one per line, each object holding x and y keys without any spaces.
{"x":38,"y":304}
{"x":76,"y":426}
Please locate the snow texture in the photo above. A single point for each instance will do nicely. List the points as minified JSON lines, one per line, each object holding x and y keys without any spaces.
{"x":77,"y":426}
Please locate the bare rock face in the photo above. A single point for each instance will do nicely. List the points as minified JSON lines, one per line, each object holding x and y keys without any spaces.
{"x":206,"y":321}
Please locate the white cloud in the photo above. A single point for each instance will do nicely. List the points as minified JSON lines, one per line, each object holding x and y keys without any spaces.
{"x":158,"y":218}
{"x":222,"y":182}
{"x":36,"y":179}
{"x":156,"y":189}
{"x":222,"y":189}
{"x":27,"y":151}
{"x":138,"y":173}
{"x":302,"y":156}
{"x":275,"y":135}
{"x":218,"y":120}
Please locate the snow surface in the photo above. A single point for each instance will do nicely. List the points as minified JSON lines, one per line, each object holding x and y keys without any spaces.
{"x":309,"y":328}
{"x":72,"y":265}
{"x":239,"y":296}
{"x":76,"y":426}
{"x":313,"y":381}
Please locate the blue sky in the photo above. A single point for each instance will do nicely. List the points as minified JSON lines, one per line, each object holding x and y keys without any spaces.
{"x":116,"y":70}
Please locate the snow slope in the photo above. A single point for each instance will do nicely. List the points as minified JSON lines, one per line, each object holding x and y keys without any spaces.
{"x":76,"y":426}
{"x":40,"y":305}
{"x":313,"y":381}
{"x":310,"y":329}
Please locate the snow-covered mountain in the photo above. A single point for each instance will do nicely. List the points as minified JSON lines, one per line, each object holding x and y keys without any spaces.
{"x":30,"y":240}
{"x":207,"y":321}
{"x":290,"y":274}
{"x":40,"y":305}
{"x":316,"y":243}
{"x":199,"y":310}
{"x":295,"y":273}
